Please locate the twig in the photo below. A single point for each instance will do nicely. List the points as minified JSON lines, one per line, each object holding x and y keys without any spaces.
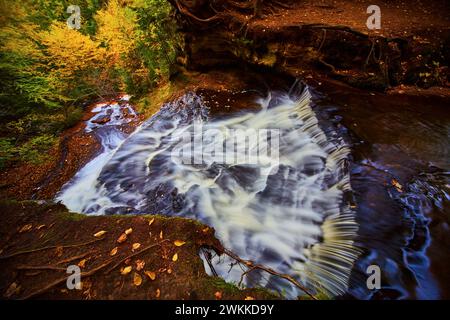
{"x":253,"y":266}
{"x":47,"y":248}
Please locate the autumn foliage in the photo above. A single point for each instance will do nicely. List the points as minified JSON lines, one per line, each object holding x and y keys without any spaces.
{"x":48,"y":69}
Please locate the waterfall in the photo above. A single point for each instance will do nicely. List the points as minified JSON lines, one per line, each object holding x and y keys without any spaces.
{"x":278,"y":200}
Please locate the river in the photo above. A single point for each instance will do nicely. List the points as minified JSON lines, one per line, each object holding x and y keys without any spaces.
{"x":326,"y":184}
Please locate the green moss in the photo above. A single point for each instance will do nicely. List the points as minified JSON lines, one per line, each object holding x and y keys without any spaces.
{"x":72,"y":216}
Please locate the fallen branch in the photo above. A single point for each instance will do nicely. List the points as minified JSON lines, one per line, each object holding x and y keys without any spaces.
{"x":253,"y":266}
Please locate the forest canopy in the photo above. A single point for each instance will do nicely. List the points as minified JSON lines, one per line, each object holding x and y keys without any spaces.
{"x":48,"y":69}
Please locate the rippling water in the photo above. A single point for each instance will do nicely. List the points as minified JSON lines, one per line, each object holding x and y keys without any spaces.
{"x":286,"y":212}
{"x":358,"y":180}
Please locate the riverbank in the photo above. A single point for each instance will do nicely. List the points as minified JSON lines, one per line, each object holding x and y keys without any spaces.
{"x":158,"y":259}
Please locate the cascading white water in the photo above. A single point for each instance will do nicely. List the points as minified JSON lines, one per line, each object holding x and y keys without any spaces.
{"x":286,"y":212}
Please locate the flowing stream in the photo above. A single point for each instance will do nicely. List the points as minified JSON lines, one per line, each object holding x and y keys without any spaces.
{"x":290,"y":196}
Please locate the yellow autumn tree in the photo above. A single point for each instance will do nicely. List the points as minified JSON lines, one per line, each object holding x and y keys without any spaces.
{"x":72,"y":59}
{"x":118,"y":31}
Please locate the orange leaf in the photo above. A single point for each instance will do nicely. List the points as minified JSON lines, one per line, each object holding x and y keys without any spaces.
{"x":82,"y":263}
{"x":126,"y":270}
{"x":128,"y":231}
{"x":140,"y":264}
{"x":161,"y":235}
{"x":151,"y":275}
{"x":135,"y":246}
{"x":137,"y":279}
{"x":397,"y":185}
{"x":122,"y":238}
{"x":218,"y":295}
{"x":113,"y":251}
{"x":158,"y":293}
{"x":249,"y":298}
{"x":151,"y":221}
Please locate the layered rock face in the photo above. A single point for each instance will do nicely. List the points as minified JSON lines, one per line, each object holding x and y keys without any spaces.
{"x":300,"y":37}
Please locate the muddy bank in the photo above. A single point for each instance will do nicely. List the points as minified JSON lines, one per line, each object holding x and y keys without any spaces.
{"x":329,"y":38}
{"x":39,"y":241}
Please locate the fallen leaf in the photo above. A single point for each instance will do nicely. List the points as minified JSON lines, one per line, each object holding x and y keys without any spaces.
{"x":12,"y":289}
{"x":128,"y":261}
{"x":249,"y":298}
{"x":128,"y":231}
{"x":218,"y":295}
{"x":40,"y":227}
{"x":158,"y":293}
{"x":205,"y":230}
{"x":26,"y":228}
{"x":169,"y":271}
{"x":82,"y":263}
{"x":126,"y":270}
{"x":175,"y":257}
{"x":179,"y":243}
{"x":151,"y":221}
{"x":140,"y":264}
{"x":99,"y":234}
{"x":59,"y":251}
{"x":151,"y":275}
{"x":113,"y":251}
{"x":397,"y":185}
{"x":135,"y":246}
{"x":122,"y":238}
{"x":137,"y":279}
{"x":161,"y":235}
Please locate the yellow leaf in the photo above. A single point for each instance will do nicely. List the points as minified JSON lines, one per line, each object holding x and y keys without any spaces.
{"x":126,"y":270}
{"x":158,"y":293}
{"x":175,"y":257}
{"x":113,"y":251}
{"x":151,"y":221}
{"x":128,"y":231}
{"x":137,"y":279}
{"x":122,"y":238}
{"x":249,"y":298}
{"x":82,"y":263}
{"x":135,"y":246}
{"x":179,"y":243}
{"x":99,"y":234}
{"x":151,"y":275}
{"x":161,"y":235}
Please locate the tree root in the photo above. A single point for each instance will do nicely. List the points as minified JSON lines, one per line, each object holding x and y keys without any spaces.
{"x":251,"y":266}
{"x":62,"y":280}
{"x":47,"y":248}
